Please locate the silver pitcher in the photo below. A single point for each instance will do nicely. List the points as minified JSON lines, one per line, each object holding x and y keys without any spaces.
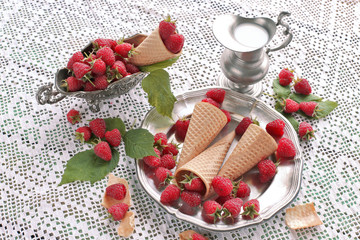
{"x":245,"y":60}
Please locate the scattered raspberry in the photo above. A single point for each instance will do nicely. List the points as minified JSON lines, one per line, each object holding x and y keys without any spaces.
{"x":302,"y":86}
{"x":163,"y":175}
{"x":118,"y":211}
{"x":80,"y":69}
{"x":212,"y":210}
{"x":153,"y":161}
{"x":89,"y":87}
{"x":107,"y":55}
{"x":232,"y":208}
{"x":306,"y":131}
{"x":193,"y":199}
{"x":223,"y":199}
{"x":167,"y":161}
{"x":276,"y":128}
{"x":193,"y":183}
{"x":212,"y":102}
{"x":197,"y":236}
{"x":160,"y":139}
{"x":174,"y":43}
{"x":243,"y":190}
{"x":98,"y":127}
{"x":116,"y":191}
{"x":181,"y":127}
{"x":130,"y":68}
{"x":286,"y":148}
{"x":267,"y":170}
{"x":222,"y":186}
{"x":170,"y":194}
{"x":124,"y":49}
{"x":251,"y":209}
{"x":76,"y":57}
{"x":101,"y":82}
{"x":166,"y":28}
{"x":309,"y":108}
{"x":290,"y":106}
{"x":83,"y":134}
{"x":243,"y":125}
{"x":171,"y":149}
{"x":228,"y":116}
{"x":98,"y":67}
{"x":72,"y":84}
{"x":113,"y":137}
{"x":218,"y":95}
{"x":103,"y":42}
{"x":73,"y":116}
{"x":103,"y":151}
{"x":285,"y":77}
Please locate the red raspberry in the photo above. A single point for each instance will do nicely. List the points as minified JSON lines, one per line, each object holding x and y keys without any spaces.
{"x":212,"y":102}
{"x":243,"y":125}
{"x":166,"y":28}
{"x":232,"y":208}
{"x":251,"y":209}
{"x":174,"y":43}
{"x":76,"y":57}
{"x":113,"y":137}
{"x":171,"y":149}
{"x":153,"y":161}
{"x":116,"y":191}
{"x":306,"y":131}
{"x":286,"y":148}
{"x":103,"y":151}
{"x":101,"y":82}
{"x":119,"y":68}
{"x":131,"y":68}
{"x":197,"y":236}
{"x":89,"y":87}
{"x":193,"y":183}
{"x":276,"y":128}
{"x":181,"y":127}
{"x":167,"y":161}
{"x":243,"y":190}
{"x":103,"y":42}
{"x":302,"y":86}
{"x":72,"y":84}
{"x":118,"y":211}
{"x":267,"y":170}
{"x":80,"y":69}
{"x":285,"y":77}
{"x":163,"y":175}
{"x":222,"y":186}
{"x":222,"y":200}
{"x":160,"y":139}
{"x":290,"y":106}
{"x":89,"y":59}
{"x":193,"y":199}
{"x":98,"y":127}
{"x":212,"y":210}
{"x":125,"y":50}
{"x":98,"y":67}
{"x":309,"y":108}
{"x":107,"y":55}
{"x":217,"y":95}
{"x":228,"y":116}
{"x":73,"y":116}
{"x":83,"y":134}
{"x":170,"y":194}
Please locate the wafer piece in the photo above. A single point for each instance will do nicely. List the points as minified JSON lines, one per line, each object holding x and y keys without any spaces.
{"x":207,"y":164}
{"x":256,"y":144}
{"x":152,"y":50}
{"x":109,"y":201}
{"x":302,"y":216}
{"x":186,"y":235}
{"x":127,"y":225}
{"x":205,"y":124}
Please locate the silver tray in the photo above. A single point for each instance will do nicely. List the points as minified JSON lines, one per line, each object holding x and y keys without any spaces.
{"x":273,"y":196}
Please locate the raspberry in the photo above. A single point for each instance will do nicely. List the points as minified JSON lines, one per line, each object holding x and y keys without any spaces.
{"x":80,"y":69}
{"x":166,"y":28}
{"x":217,"y":95}
{"x":251,"y":209}
{"x":160,"y":139}
{"x":113,"y":137}
{"x":232,"y":207}
{"x":72,"y":84}
{"x":222,"y":200}
{"x":73,"y":116}
{"x":306,"y":132}
{"x":170,"y":194}
{"x":267,"y":170}
{"x":130,"y":68}
{"x":197,"y":236}
{"x":103,"y":151}
{"x":76,"y":57}
{"x":174,"y":43}
{"x":116,"y":191}
{"x":290,"y":106}
{"x":211,"y":101}
{"x":286,"y":148}
{"x":103,"y":42}
{"x":309,"y":108}
{"x":302,"y":86}
{"x":243,"y":125}
{"x":119,"y":68}
{"x":153,"y":161}
{"x":98,"y":127}
{"x":98,"y":67}
{"x":228,"y":116}
{"x":222,"y":186}
{"x":163,"y":175}
{"x":89,"y":87}
{"x":276,"y":128}
{"x":243,"y":190}
{"x":89,"y":59}
{"x":212,"y":210}
{"x":124,"y":49}
{"x":83,"y":134}
{"x":101,"y":82}
{"x":171,"y":149}
{"x":181,"y":127}
{"x":285,"y":77}
{"x":193,"y":199}
{"x":167,"y":161}
{"x":118,"y":211}
{"x":107,"y":55}
{"x":193,"y":183}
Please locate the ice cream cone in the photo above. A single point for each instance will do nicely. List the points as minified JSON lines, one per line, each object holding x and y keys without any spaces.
{"x":205,"y":124}
{"x":207,"y":164}
{"x":256,"y":144}
{"x":151,"y":50}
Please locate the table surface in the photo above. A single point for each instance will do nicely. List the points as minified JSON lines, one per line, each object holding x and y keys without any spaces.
{"x":37,"y":38}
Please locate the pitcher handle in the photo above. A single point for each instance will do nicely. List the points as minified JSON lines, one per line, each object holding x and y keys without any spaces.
{"x":286,"y":32}
{"x":46,"y":95}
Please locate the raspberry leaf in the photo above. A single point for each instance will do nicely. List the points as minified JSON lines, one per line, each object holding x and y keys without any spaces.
{"x":157,"y":86}
{"x":86,"y":166}
{"x":281,"y":91}
{"x":305,"y":98}
{"x":324,"y":108}
{"x":159,"y":65}
{"x":112,"y":123}
{"x":139,"y":143}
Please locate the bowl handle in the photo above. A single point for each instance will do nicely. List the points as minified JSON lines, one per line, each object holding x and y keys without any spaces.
{"x":286,"y":32}
{"x":46,"y":95}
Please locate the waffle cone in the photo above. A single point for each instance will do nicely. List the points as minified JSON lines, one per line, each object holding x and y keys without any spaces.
{"x":256,"y":144}
{"x":151,"y":50}
{"x":205,"y":124}
{"x":207,"y":164}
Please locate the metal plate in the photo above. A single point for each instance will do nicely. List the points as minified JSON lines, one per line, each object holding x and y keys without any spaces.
{"x":272,"y":196}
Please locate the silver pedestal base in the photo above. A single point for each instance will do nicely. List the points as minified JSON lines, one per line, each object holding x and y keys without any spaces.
{"x":254,"y":90}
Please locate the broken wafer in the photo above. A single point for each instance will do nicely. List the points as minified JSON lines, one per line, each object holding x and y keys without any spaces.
{"x":302,"y":216}
{"x":109,"y":201}
{"x":127,"y":225}
{"x":186,"y":235}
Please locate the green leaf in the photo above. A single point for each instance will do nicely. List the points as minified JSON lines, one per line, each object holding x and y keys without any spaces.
{"x":157,"y":86}
{"x":159,"y":65}
{"x":86,"y":166}
{"x":112,"y":123}
{"x":278,"y":107}
{"x":324,"y":108}
{"x":292,"y":120}
{"x":305,"y":98}
{"x":139,"y":143}
{"x":281,"y":91}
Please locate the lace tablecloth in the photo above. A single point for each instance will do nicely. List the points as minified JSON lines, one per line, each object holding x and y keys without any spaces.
{"x":37,"y":38}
